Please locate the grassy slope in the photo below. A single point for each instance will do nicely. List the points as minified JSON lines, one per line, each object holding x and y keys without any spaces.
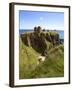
{"x":53,"y":66}
{"x":27,"y":60}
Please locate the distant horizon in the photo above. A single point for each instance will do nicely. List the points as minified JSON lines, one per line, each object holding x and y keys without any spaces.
{"x":42,"y":29}
{"x":47,"y":20}
{"x":61,"y":32}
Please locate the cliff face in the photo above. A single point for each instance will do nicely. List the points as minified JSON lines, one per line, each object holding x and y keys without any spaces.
{"x":41,"y":40}
{"x":36,"y":45}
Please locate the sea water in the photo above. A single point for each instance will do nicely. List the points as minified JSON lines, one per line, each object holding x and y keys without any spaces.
{"x":60,"y":32}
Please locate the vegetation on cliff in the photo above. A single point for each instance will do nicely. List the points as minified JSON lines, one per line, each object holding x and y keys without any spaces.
{"x":40,"y":43}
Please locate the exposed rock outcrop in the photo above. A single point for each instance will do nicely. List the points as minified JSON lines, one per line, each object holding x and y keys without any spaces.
{"x":41,"y":40}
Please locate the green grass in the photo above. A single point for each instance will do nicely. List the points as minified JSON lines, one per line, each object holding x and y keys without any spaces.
{"x":53,"y":66}
{"x":27,"y":60}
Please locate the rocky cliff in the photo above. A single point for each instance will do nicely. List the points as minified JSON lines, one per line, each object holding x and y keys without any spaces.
{"x":41,"y":40}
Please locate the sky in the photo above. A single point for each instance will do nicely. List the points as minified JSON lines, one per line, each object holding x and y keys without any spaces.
{"x":47,"y":20}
